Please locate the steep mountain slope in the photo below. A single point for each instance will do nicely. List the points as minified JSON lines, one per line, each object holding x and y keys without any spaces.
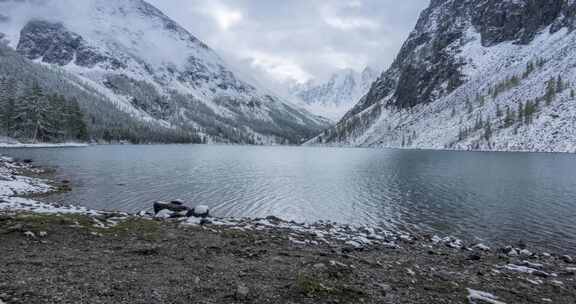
{"x":475,"y":75}
{"x":18,"y":75}
{"x":149,"y":67}
{"x":336,"y":96}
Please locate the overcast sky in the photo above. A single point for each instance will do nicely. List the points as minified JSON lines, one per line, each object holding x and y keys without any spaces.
{"x":298,"y":40}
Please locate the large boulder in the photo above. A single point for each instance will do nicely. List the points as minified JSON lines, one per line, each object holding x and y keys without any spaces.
{"x":201,"y":211}
{"x":170,"y":210}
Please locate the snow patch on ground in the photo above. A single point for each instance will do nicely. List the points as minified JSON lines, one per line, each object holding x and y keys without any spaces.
{"x":13,"y":185}
{"x":43,"y":145}
{"x":478,"y":297}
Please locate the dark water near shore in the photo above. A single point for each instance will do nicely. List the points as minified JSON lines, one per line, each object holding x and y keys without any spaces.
{"x":504,"y":197}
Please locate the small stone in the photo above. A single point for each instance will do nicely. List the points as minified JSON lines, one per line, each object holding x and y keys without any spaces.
{"x":160,"y":206}
{"x":525,"y":252}
{"x":178,"y":202}
{"x":510,"y":251}
{"x":540,"y":274}
{"x":384,"y":288}
{"x":567,"y":259}
{"x":273,"y":218}
{"x":30,"y":234}
{"x":205,"y":221}
{"x":557,"y":283}
{"x":242,"y":292}
{"x":338,"y":264}
{"x":201,"y":211}
{"x":481,"y":247}
{"x":43,"y":234}
{"x":475,"y":257}
{"x":319,"y":266}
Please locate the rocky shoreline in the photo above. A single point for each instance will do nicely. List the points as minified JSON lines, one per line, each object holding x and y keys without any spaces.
{"x":68,"y":254}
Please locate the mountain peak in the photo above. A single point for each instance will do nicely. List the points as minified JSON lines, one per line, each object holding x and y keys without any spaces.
{"x":337,"y":95}
{"x":465,"y":75}
{"x":152,"y":68}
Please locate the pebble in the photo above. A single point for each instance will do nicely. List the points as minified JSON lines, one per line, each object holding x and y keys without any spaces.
{"x":475,"y":257}
{"x":513,"y":253}
{"x":384,"y":288}
{"x":557,"y":283}
{"x":510,"y":251}
{"x":29,"y":234}
{"x":242,"y":292}
{"x":481,"y":247}
{"x":320,"y":266}
{"x":525,"y":252}
{"x":540,"y":274}
{"x":201,"y":211}
{"x":165,"y":213}
{"x":567,"y":259}
{"x":43,"y":234}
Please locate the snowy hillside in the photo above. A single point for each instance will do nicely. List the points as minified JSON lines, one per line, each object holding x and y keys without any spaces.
{"x":475,"y":75}
{"x":333,"y":98}
{"x":151,"y":68}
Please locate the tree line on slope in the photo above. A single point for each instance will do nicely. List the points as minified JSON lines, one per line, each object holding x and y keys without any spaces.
{"x":30,"y":113}
{"x":525,"y":112}
{"x":46,"y":90}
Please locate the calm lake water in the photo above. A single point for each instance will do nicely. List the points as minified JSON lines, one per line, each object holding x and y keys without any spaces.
{"x":497,"y":197}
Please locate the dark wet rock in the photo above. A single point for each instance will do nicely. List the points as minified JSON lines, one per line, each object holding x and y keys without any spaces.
{"x":274,"y":219}
{"x":540,"y":274}
{"x":145,"y":251}
{"x":475,"y":257}
{"x":159,"y":206}
{"x":205,"y":221}
{"x":567,"y":259}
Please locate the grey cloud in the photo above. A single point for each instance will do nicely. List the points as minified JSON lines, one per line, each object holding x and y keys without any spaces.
{"x":278,"y":40}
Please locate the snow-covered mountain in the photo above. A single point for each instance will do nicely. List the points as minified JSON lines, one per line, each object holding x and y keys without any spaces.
{"x":335,"y":97}
{"x":151,"y":68}
{"x":475,"y":75}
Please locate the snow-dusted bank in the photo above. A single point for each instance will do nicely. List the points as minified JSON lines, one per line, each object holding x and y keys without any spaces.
{"x":43,"y":145}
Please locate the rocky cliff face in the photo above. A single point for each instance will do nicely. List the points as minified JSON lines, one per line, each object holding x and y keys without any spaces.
{"x":152,"y":68}
{"x":336,"y":96}
{"x":463,"y":66}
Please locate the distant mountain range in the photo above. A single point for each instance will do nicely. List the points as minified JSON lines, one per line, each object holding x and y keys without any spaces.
{"x":333,"y":98}
{"x":475,"y":75}
{"x":134,"y":70}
